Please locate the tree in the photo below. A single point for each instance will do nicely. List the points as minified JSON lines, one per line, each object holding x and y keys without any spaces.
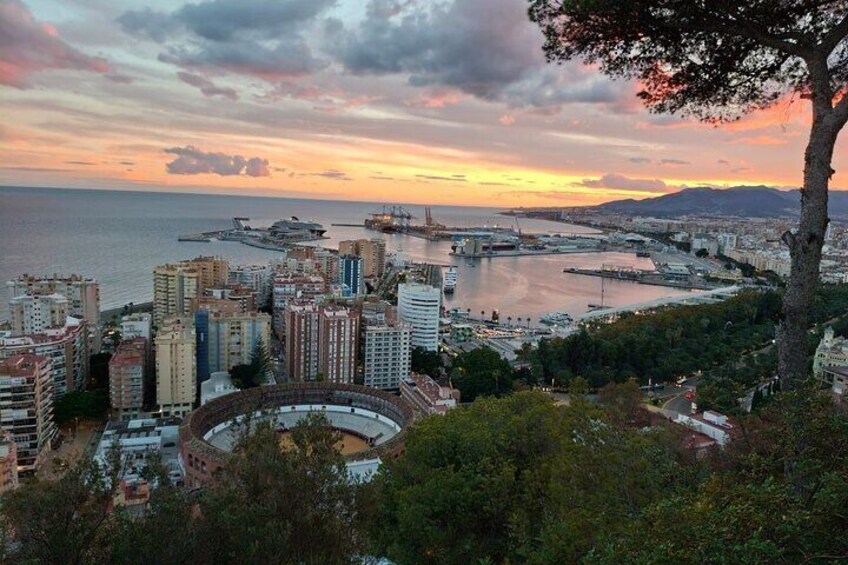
{"x":717,"y":61}
{"x":481,"y":372}
{"x":255,"y":373}
{"x":426,"y":362}
{"x":294,"y":505}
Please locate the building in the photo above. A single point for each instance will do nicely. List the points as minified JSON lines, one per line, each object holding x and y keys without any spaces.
{"x":67,"y":348}
{"x":232,"y":338}
{"x":386,"y":354}
{"x":290,"y":286}
{"x":82,"y":294}
{"x":254,"y":277}
{"x":26,"y":407}
{"x":35,"y":313}
{"x":176,"y":367}
{"x":218,"y":384}
{"x":213,"y":271}
{"x":372,"y":251}
{"x":137,"y":325}
{"x":8,"y":463}
{"x":831,"y":352}
{"x":426,"y":395}
{"x":127,"y":377}
{"x":338,"y":338}
{"x":174,"y":287}
{"x":137,"y":441}
{"x":301,"y":327}
{"x":419,"y":305}
{"x":351,"y":274}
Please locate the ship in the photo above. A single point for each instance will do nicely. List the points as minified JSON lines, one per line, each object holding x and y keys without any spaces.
{"x":294,"y":226}
{"x":485,"y":244}
{"x":449,"y":281}
{"x":643,"y":254}
{"x":556,"y":319}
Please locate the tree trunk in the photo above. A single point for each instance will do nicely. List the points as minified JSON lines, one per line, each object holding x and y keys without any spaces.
{"x":805,"y":246}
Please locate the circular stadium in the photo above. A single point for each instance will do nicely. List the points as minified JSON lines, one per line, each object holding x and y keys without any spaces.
{"x":371,"y":423}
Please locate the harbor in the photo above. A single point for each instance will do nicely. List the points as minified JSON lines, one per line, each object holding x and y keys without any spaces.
{"x":280,"y":236}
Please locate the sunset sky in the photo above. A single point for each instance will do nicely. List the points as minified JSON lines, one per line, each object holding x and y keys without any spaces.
{"x":389,"y":100}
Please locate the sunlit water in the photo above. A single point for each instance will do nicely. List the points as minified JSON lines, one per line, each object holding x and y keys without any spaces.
{"x":118,"y":237}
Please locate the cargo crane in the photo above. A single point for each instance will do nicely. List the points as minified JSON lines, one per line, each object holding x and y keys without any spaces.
{"x":389,"y":219}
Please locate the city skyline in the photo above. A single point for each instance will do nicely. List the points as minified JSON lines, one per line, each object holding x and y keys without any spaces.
{"x":350,"y":101}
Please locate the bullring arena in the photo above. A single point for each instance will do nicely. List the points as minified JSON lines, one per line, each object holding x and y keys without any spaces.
{"x":371,"y":424}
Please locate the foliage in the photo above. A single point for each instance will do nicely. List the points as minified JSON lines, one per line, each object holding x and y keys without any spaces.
{"x":426,"y":362}
{"x":482,"y":372}
{"x":269,"y":505}
{"x":98,"y":371}
{"x":668,"y":343}
{"x":85,"y":405}
{"x":503,"y":478}
{"x":255,"y":373}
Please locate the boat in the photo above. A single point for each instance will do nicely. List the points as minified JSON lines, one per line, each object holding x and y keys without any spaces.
{"x":449,"y":281}
{"x":293,"y":225}
{"x":556,"y":318}
{"x":643,"y":254}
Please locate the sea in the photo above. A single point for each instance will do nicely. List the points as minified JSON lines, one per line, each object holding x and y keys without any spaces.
{"x":118,"y":237}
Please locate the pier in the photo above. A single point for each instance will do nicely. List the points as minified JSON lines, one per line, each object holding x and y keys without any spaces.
{"x":641,"y":277}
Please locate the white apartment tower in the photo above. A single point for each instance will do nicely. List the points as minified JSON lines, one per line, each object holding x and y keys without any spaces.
{"x":419,"y":305}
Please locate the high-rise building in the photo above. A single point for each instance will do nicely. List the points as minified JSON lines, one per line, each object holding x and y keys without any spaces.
{"x":386,"y":354}
{"x":419,"y":305}
{"x":338,"y":337}
{"x":214,"y":271}
{"x":83,"y":294}
{"x":26,"y":407}
{"x":350,"y":274}
{"x":372,"y":251}
{"x":127,"y":376}
{"x":137,"y":325}
{"x":301,"y":330}
{"x":8,"y":462}
{"x":35,"y":313}
{"x":176,"y":367}
{"x":290,"y":286}
{"x":174,"y":287}
{"x":233,"y":337}
{"x":67,"y":347}
{"x":254,"y":277}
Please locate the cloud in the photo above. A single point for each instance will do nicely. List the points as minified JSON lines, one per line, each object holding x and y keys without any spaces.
{"x":27,"y":46}
{"x":206,"y":86}
{"x":615,"y":181}
{"x":674,"y":162}
{"x":192,"y":161}
{"x":639,"y":160}
{"x":248,"y":37}
{"x":723,"y":162}
{"x":87,"y":163}
{"x":332,"y":174}
{"x":759,"y":140}
{"x":507,"y":119}
{"x":452,"y":178}
{"x":496,"y":57}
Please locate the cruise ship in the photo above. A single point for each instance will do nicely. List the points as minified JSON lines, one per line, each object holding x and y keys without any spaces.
{"x":449,"y":280}
{"x":293,"y":225}
{"x":556,"y":319}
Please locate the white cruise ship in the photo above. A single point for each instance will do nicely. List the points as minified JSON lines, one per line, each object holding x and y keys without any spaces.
{"x":449,"y":281}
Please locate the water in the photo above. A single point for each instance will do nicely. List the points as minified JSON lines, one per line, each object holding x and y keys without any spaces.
{"x":119,"y":237}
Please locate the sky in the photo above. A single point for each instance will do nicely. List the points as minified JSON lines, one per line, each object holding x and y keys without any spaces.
{"x":419,"y":101}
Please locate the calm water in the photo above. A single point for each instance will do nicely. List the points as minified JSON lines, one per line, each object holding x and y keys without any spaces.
{"x":118,"y":237}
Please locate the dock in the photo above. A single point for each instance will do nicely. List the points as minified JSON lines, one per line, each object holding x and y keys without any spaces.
{"x":641,"y":277}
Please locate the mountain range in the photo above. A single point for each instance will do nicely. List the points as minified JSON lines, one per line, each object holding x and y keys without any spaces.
{"x":742,"y":201}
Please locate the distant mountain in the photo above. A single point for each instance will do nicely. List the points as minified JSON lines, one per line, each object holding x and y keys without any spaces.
{"x":742,"y":201}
